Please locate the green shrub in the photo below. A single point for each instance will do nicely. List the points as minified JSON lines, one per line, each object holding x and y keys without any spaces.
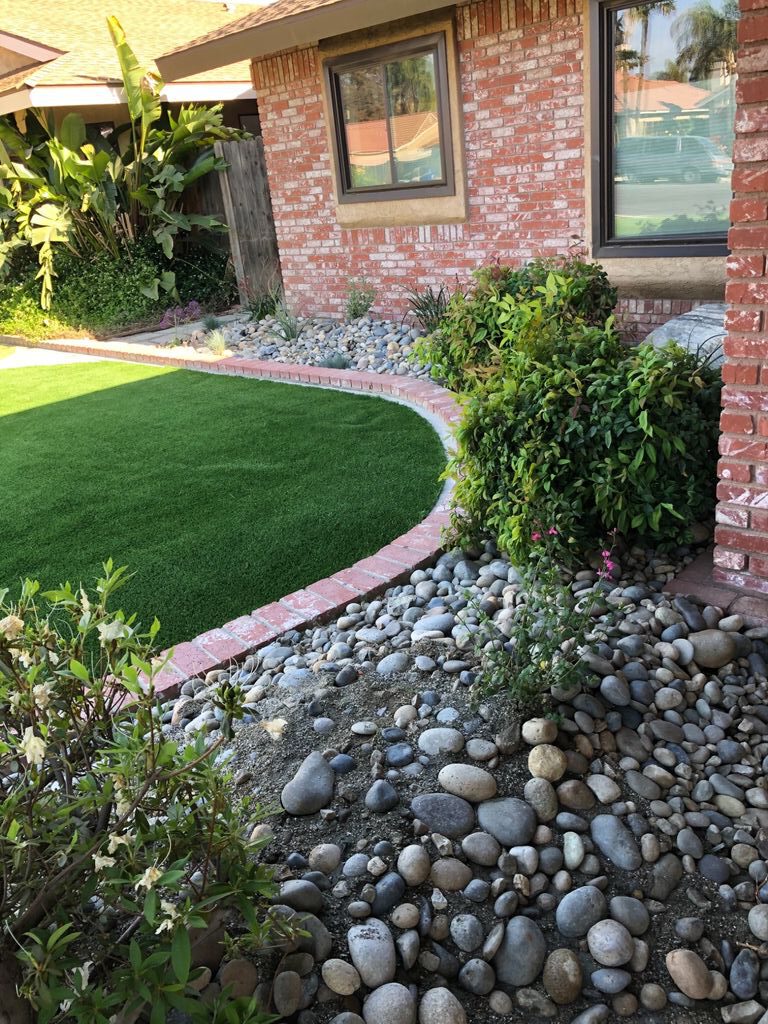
{"x":287,"y":325}
{"x":572,"y":428}
{"x":120,"y":848}
{"x":103,"y":295}
{"x":429,"y":306}
{"x":536,"y":645}
{"x":465,"y":348}
{"x":361,"y":295}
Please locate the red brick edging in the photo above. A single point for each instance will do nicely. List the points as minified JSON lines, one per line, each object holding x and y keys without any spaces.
{"x":325,"y":599}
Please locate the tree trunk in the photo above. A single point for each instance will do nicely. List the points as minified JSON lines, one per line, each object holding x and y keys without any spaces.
{"x":13,"y":1009}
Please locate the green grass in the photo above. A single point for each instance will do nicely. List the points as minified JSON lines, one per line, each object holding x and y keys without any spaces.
{"x":222,"y":494}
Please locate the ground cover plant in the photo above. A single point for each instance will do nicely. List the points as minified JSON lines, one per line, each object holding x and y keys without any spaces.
{"x":119,"y":847}
{"x":222,"y":494}
{"x":564,"y":424}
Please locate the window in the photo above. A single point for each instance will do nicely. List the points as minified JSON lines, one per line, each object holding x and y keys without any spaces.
{"x":667,"y":110}
{"x":390,"y":118}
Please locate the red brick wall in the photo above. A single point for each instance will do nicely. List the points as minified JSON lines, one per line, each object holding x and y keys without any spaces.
{"x":523,"y":119}
{"x":521,"y":65}
{"x":741,"y":555}
{"x":638,"y":317}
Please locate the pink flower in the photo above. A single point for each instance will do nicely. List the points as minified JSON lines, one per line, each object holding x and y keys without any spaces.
{"x":552,"y":531}
{"x":535,"y":536}
{"x":606,"y":554}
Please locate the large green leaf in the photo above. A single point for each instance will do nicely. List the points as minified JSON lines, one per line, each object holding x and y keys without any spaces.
{"x":142,"y":87}
{"x":72,"y":131}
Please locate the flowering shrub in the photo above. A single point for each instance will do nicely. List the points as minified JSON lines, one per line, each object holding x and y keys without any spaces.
{"x":547,"y":628}
{"x":181,"y":315}
{"x":120,"y":849}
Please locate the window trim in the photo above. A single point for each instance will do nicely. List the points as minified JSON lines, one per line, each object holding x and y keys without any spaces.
{"x":602,"y":84}
{"x":335,"y":66}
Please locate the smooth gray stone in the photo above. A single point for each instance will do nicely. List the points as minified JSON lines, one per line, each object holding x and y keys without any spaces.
{"x":509,"y":820}
{"x":520,"y":957}
{"x":579,"y":909}
{"x":616,"y":842}
{"x":311,"y":787}
{"x":444,"y":813}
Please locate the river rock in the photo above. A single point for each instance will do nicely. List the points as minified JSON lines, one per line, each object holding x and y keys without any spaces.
{"x":440,"y":1006}
{"x":579,"y":910}
{"x":508,"y":819}
{"x":311,"y":788}
{"x":689,"y":973}
{"x":521,"y":954}
{"x":712,"y":648}
{"x":610,"y":943}
{"x":547,"y":762}
{"x":467,"y":781}
{"x":616,"y":842}
{"x":562,"y":976}
{"x":341,"y":977}
{"x":390,"y":1004}
{"x":441,"y":741}
{"x":444,"y":813}
{"x":414,"y":864}
{"x":372,"y":950}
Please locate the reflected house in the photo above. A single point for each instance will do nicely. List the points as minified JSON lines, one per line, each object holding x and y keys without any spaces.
{"x":415,"y":145}
{"x":651,"y":106}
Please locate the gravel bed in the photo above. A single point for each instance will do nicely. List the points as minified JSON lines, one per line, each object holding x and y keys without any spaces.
{"x":454,"y":858}
{"x":377,"y":346}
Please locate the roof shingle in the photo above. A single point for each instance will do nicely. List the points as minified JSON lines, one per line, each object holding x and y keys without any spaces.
{"x":79,"y":28}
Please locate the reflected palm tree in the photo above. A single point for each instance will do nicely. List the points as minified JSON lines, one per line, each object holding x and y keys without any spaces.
{"x":641,"y":16}
{"x":706,"y":38}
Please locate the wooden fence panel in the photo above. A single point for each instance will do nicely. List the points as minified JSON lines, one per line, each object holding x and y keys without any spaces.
{"x":247,"y":210}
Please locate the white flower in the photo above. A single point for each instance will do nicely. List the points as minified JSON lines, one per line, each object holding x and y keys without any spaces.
{"x":15,"y":700}
{"x":84,"y":601}
{"x":172,"y":915}
{"x":109,"y":631}
{"x":116,"y":840}
{"x":41,"y":694}
{"x":33,"y":747}
{"x":80,"y":977}
{"x":11,"y":626}
{"x":123,"y":805}
{"x":99,"y":862}
{"x":148,"y":879}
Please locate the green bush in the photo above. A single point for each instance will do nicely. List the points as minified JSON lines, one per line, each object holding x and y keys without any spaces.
{"x":120,"y":848}
{"x":361,"y":295}
{"x":564,"y":425}
{"x":103,"y":295}
{"x":465,"y":347}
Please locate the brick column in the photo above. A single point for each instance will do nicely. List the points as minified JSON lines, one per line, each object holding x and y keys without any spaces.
{"x":741,"y":555}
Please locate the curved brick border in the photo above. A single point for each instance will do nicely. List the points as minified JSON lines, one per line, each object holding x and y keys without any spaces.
{"x":326,"y":599}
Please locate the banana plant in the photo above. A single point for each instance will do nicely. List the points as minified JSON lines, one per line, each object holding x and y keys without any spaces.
{"x":58,"y":191}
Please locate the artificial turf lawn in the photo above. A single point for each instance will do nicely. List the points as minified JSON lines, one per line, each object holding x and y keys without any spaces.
{"x":222,"y":494}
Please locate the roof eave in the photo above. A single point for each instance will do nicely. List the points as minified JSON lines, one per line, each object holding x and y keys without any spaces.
{"x":288,"y":33}
{"x":10,"y":102}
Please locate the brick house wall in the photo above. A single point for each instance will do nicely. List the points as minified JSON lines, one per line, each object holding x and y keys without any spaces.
{"x":741,"y":555}
{"x":521,"y":67}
